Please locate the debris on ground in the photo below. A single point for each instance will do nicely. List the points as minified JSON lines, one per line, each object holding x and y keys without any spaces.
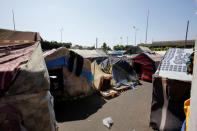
{"x":108,"y":122}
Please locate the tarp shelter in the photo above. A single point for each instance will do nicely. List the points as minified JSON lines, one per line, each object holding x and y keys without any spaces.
{"x":24,"y":81}
{"x":137,"y":50}
{"x":171,"y":87}
{"x":121,"y":70}
{"x":98,"y":54}
{"x":70,"y":73}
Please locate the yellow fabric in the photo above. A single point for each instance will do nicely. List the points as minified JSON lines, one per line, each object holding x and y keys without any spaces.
{"x":187,"y":110}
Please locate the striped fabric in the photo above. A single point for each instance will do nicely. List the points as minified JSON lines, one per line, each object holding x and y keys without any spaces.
{"x":147,"y":66}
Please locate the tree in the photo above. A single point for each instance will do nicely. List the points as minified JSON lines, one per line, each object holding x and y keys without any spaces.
{"x":105,"y":47}
{"x":119,"y":47}
{"x":47,"y":45}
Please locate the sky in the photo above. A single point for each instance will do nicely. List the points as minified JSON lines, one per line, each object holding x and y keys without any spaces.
{"x":111,"y":21}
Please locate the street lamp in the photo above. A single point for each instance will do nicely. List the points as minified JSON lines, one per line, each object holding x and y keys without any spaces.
{"x":136,"y":29}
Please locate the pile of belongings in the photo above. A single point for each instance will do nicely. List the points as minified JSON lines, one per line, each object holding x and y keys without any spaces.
{"x":171,"y":87}
{"x":25,"y":100}
{"x":70,"y":74}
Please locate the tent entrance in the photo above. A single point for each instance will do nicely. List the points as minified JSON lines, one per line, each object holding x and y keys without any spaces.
{"x":138,"y":69}
{"x":106,"y":85}
{"x":56,"y":82}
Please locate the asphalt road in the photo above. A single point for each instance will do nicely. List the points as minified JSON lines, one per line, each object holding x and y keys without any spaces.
{"x":130,"y":111}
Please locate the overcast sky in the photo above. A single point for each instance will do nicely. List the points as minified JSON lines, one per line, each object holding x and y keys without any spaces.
{"x":108,"y":20}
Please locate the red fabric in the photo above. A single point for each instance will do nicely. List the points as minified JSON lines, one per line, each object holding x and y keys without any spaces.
{"x":11,"y":59}
{"x":146,"y":77}
{"x":145,"y":64}
{"x":139,"y":56}
{"x":147,"y":72}
{"x":148,"y":67}
{"x":142,"y":60}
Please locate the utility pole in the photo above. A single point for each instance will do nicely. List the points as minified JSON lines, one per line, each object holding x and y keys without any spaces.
{"x":96,"y":42}
{"x":121,"y":41}
{"x":127,"y":40}
{"x":147,"y":27}
{"x":13,"y":19}
{"x":186,"y":34}
{"x":61,"y":33}
{"x":136,"y":29}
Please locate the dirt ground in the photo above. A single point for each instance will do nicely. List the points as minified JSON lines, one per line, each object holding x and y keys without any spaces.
{"x":130,"y":111}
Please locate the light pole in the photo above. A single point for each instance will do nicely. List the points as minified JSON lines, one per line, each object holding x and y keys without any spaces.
{"x":13,"y":19}
{"x":136,"y":29}
{"x":61,"y":33}
{"x":147,"y":27}
{"x":120,"y":40}
{"x":127,"y":40}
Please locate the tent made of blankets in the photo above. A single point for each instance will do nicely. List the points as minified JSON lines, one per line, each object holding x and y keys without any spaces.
{"x":98,"y":54}
{"x":24,"y":83}
{"x":70,"y":74}
{"x":123,"y":73}
{"x":145,"y":65}
{"x":137,"y":50}
{"x":171,"y":87}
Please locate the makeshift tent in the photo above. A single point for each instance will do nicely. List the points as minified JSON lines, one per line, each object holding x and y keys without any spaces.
{"x":123,"y":73}
{"x":70,"y":73}
{"x":137,"y":50}
{"x":98,"y":55}
{"x":171,"y":87}
{"x":24,"y":81}
{"x":145,"y":65}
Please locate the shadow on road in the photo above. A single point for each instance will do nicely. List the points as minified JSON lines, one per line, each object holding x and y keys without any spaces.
{"x":78,"y":109}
